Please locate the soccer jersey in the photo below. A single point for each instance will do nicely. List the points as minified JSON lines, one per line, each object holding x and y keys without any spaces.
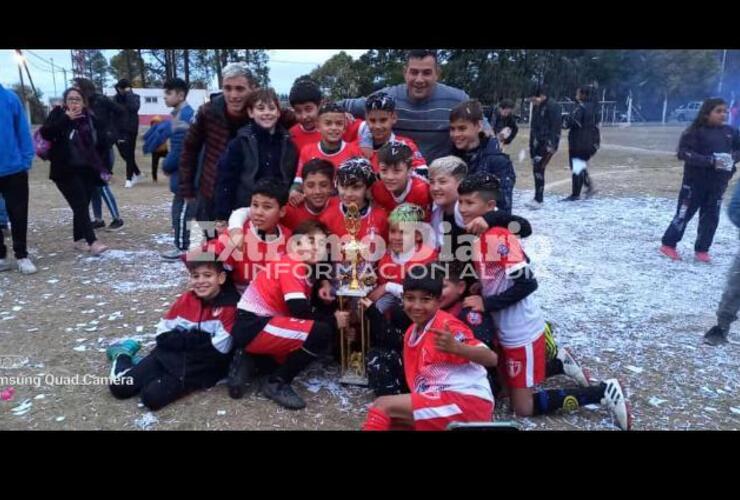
{"x":431,"y":371}
{"x":416,"y":192}
{"x":498,"y":256}
{"x":191,"y":313}
{"x":393,"y":267}
{"x":295,"y":215}
{"x":302,"y":137}
{"x":279,"y":282}
{"x":374,"y":221}
{"x":417,"y":160}
{"x":346,"y":151}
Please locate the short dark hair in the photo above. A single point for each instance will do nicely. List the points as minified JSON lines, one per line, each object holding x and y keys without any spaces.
{"x":87,"y":87}
{"x":263,"y":95}
{"x":311,"y":226}
{"x":469,"y":111}
{"x":331,"y":107}
{"x":395,"y":152}
{"x":79,"y":91}
{"x":425,"y":278}
{"x":486,"y":185}
{"x":177,"y":85}
{"x":380,"y":101}
{"x":539,"y":89}
{"x":305,"y":90}
{"x":421,"y":54}
{"x":354,"y":170}
{"x":123,"y":83}
{"x":506,"y":104}
{"x":271,"y":188}
{"x":318,"y":166}
{"x":192,"y":262}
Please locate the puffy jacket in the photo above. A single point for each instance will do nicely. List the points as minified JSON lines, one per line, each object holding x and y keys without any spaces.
{"x":182,"y":117}
{"x":128,"y":122}
{"x":16,"y":146}
{"x":545,"y":126}
{"x":584,"y":138}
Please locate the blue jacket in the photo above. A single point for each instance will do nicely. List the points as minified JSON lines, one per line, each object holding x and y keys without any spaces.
{"x":16,"y":145}
{"x":488,"y":158}
{"x":733,"y":209}
{"x":179,"y":125}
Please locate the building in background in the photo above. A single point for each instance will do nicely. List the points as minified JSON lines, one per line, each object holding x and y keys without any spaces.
{"x":152,"y":102}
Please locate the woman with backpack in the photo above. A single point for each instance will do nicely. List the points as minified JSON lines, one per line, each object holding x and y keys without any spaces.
{"x":709,"y":149}
{"x":584,"y":140}
{"x":78,"y":167}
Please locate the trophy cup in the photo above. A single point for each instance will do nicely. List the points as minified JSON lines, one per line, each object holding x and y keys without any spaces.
{"x":354,"y":285}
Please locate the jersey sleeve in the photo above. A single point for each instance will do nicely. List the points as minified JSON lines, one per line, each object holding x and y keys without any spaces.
{"x":292,"y":282}
{"x":501,"y":248}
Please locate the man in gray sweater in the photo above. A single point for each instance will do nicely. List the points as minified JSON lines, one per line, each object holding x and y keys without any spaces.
{"x":423,"y":106}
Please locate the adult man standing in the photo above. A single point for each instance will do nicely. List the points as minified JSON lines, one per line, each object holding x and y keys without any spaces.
{"x":423,"y":106}
{"x":128,"y":129}
{"x":215,"y":124}
{"x":16,"y":156}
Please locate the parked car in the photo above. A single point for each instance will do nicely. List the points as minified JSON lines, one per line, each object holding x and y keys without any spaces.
{"x":687,"y":112}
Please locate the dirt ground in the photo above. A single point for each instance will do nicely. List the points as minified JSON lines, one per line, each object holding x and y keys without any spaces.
{"x":60,"y":320}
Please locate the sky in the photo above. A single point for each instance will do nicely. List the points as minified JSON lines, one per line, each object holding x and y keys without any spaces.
{"x":285,"y":66}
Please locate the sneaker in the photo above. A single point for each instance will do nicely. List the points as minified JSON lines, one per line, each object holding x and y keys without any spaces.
{"x":5,"y":265}
{"x":614,"y":400}
{"x":716,"y":336}
{"x":98,"y":223}
{"x":571,"y":198}
{"x":670,"y":252}
{"x":97,"y":248}
{"x":129,"y":184}
{"x":174,"y":254}
{"x":551,"y":347}
{"x":115,"y":225}
{"x":533,"y":205}
{"x":128,"y":347}
{"x":241,"y":372}
{"x":25,"y":266}
{"x":703,"y":257}
{"x":283,"y":394}
{"x":572,"y":368}
{"x":136,"y":179}
{"x":82,"y":246}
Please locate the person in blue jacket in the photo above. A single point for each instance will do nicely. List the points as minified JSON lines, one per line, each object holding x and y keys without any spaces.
{"x":16,"y":157}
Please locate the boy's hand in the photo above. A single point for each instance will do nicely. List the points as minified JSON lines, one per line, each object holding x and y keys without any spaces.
{"x":342,"y":318}
{"x":444,"y":341}
{"x":477,"y":226}
{"x":296,"y":198}
{"x":325,"y":292}
{"x":475,"y":302}
{"x":237,"y":237}
{"x":378,"y":292}
{"x":366,"y":302}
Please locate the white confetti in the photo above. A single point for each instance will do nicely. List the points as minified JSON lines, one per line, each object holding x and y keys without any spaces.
{"x":220,"y":413}
{"x":40,"y":396}
{"x":654,"y":401}
{"x":17,"y":308}
{"x":80,"y":348}
{"x":734,"y":410}
{"x":60,"y":419}
{"x":52,"y":281}
{"x":146,"y":421}
{"x":635,"y":369}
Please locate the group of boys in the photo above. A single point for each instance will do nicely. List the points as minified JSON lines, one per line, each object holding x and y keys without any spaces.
{"x":262,"y":301}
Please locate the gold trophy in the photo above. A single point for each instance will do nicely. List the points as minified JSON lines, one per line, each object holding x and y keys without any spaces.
{"x":354,"y":285}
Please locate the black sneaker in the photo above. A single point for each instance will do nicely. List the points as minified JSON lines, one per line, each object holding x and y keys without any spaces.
{"x":571,"y":198}
{"x":115,"y":225}
{"x":283,"y":394}
{"x":241,"y":371}
{"x":97,"y":224}
{"x":716,"y":336}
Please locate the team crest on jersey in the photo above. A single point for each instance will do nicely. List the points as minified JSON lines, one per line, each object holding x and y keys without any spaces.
{"x":513,"y":367}
{"x":474,"y":318}
{"x":503,"y":249}
{"x":460,"y":336}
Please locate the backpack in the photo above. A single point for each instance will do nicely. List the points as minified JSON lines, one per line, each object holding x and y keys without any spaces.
{"x":41,"y":146}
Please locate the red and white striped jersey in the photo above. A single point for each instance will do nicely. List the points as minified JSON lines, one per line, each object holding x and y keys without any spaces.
{"x":416,"y":192}
{"x":279,"y":282}
{"x":346,"y":151}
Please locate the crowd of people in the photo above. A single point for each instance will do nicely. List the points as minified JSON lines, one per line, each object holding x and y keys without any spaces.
{"x":416,"y":172}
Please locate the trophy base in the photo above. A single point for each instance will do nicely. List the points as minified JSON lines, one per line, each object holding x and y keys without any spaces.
{"x":346,"y":291}
{"x":353,"y":379}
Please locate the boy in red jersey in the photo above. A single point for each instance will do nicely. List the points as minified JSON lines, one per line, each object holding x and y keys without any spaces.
{"x":398,"y":182}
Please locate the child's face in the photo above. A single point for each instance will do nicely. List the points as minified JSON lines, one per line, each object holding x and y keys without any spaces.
{"x":265,"y":212}
{"x":473,"y":205}
{"x":505,"y":111}
{"x":394,"y":177}
{"x":317,"y":188}
{"x":420,"y":306}
{"x":331,"y":127}
{"x":443,"y":189}
{"x":381,"y":125}
{"x":265,"y":114}
{"x":173,"y":97}
{"x":402,"y":237}
{"x":206,"y":282}
{"x":307,"y":114}
{"x":354,"y":193}
{"x":309,"y":248}
{"x":452,"y":292}
{"x":464,"y":134}
{"x":718,"y":116}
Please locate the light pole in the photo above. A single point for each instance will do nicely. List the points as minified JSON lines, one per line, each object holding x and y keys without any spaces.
{"x":722,"y":71}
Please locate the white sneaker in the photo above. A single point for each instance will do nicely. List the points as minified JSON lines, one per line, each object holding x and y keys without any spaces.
{"x":533,"y":205}
{"x":129,"y":184}
{"x":25,"y":266}
{"x":5,"y":265}
{"x":173,"y":255}
{"x":136,"y":179}
{"x":571,"y":367}
{"x":614,"y":400}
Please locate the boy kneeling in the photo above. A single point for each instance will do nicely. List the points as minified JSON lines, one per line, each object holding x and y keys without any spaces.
{"x":443,"y":364}
{"x":193,"y":343}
